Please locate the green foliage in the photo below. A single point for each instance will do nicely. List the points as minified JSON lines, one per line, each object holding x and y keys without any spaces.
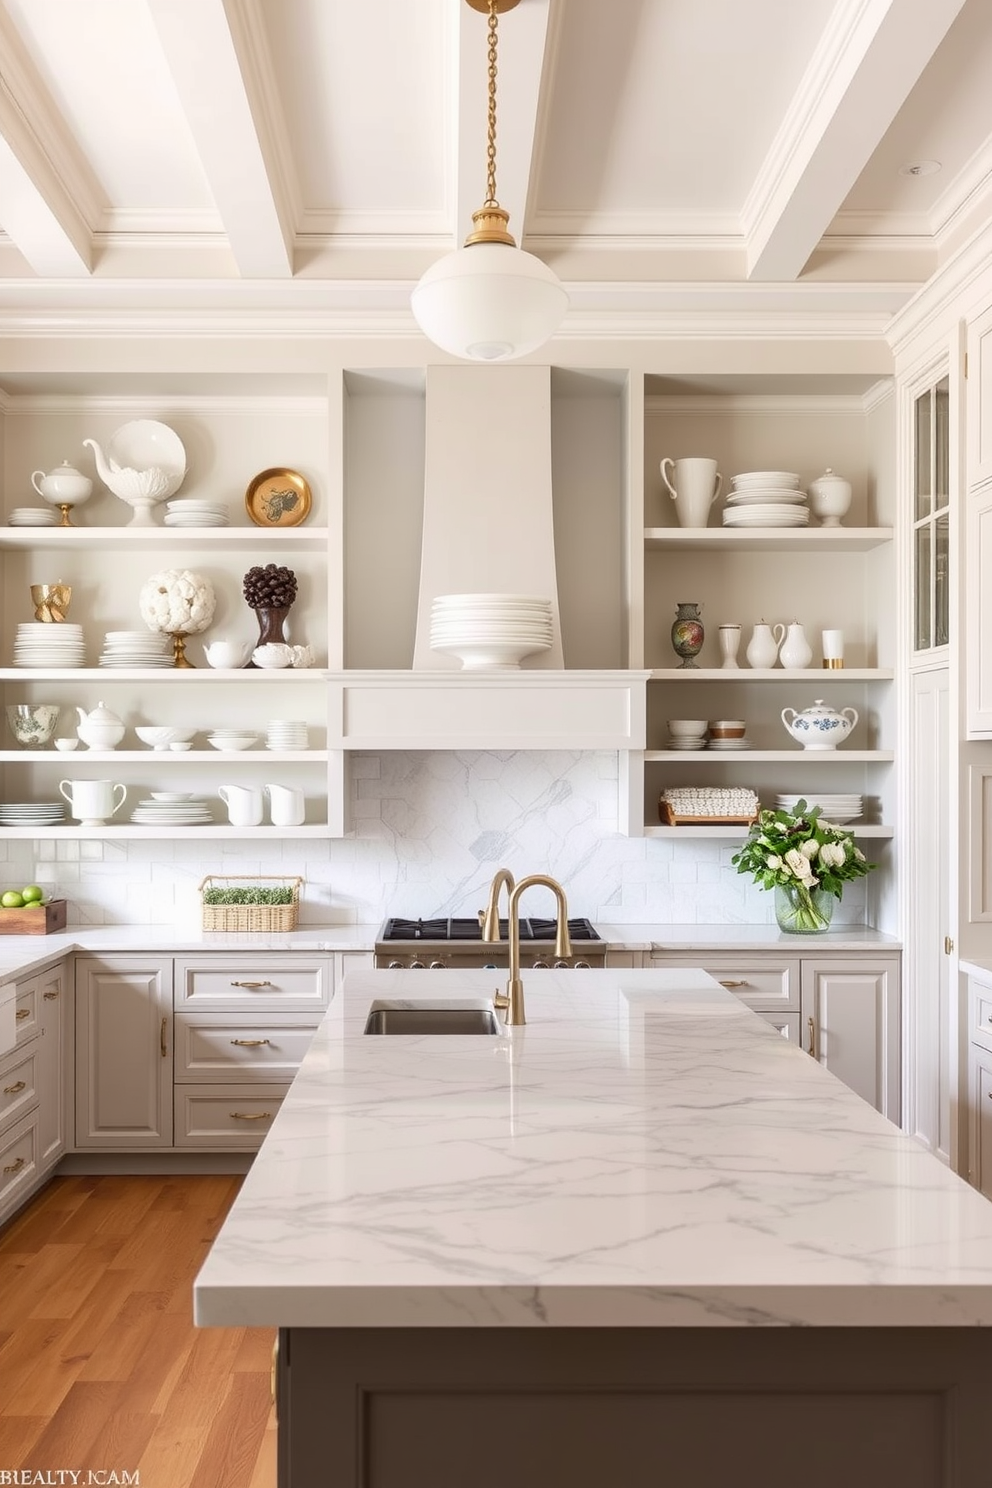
{"x":795,"y":848}
{"x":254,"y":895}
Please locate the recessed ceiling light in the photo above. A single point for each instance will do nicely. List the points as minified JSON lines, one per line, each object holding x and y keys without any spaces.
{"x":920,"y":168}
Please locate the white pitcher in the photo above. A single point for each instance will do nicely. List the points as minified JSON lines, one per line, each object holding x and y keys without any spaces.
{"x":762,"y":648}
{"x":244,"y":804}
{"x":694,"y":486}
{"x":287,"y":805}
{"x":796,"y":651}
{"x":92,"y":801}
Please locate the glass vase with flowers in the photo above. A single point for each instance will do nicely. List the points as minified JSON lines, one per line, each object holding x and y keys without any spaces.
{"x":806,"y":860}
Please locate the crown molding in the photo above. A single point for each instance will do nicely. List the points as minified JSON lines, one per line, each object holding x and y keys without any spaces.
{"x":141,"y":405}
{"x":934,"y":308}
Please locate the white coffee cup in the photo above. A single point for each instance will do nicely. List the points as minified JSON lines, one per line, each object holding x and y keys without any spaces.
{"x":287,"y":805}
{"x":694,"y":484}
{"x":244,"y":804}
{"x":92,"y":801}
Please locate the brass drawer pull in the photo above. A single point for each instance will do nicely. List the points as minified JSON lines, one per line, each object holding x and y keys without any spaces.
{"x":50,"y":996}
{"x":14,"y":1089}
{"x":21,"y":1014}
{"x":249,"y":1043}
{"x":812,"y":1039}
{"x":16,"y":1166}
{"x":162,"y":1044}
{"x":251,"y":985}
{"x":730,"y":985}
{"x":251,"y":1116}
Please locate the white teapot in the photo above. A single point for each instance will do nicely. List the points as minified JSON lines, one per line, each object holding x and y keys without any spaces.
{"x":101,"y":728}
{"x":820,"y":727}
{"x":64,"y":486}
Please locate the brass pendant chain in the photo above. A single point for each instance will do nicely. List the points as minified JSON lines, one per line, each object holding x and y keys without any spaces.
{"x":491,"y":200}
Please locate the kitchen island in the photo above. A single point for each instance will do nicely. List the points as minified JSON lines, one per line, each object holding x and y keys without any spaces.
{"x":640,"y":1239}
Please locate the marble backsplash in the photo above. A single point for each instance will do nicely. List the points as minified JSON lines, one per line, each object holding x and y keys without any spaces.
{"x":429,"y":831}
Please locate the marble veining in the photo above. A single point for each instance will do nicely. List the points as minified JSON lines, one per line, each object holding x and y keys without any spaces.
{"x":645,"y":1151}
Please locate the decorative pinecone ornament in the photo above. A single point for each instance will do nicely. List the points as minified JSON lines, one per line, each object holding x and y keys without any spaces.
{"x":270,"y":591}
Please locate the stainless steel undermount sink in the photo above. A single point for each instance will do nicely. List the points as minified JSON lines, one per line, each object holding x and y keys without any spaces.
{"x":406,"y":1016}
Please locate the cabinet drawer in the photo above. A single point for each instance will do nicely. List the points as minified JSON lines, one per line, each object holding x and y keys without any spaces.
{"x":225,"y":1116}
{"x":18,"y":1085}
{"x":239,"y":1049}
{"x":980,"y":1000}
{"x":18,"y":1161}
{"x":19,"y":1017}
{"x":763,"y":982}
{"x":266,"y":982}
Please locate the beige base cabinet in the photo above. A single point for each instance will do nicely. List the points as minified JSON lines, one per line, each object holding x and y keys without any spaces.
{"x":32,"y":1086}
{"x":843,"y":1010}
{"x":123,"y":1052}
{"x":980,"y":1084}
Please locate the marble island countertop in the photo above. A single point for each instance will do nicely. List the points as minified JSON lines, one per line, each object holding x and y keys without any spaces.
{"x":644,"y":1152}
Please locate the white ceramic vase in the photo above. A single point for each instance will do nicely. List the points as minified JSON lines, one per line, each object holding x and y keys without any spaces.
{"x":762,"y":648}
{"x":795,"y":653}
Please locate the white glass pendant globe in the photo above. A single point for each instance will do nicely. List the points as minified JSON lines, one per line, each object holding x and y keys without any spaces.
{"x":489,"y":303}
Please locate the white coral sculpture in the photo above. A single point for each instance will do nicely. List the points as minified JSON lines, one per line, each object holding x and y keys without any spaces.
{"x":177,"y":601}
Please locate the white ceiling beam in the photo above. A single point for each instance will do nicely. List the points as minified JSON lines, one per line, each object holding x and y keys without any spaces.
{"x":37,"y":210}
{"x":870,"y":56}
{"x":523,"y":36}
{"x":199,"y":45}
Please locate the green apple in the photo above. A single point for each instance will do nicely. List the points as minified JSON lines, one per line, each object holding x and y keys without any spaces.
{"x":33,"y":894}
{"x":12,"y":900}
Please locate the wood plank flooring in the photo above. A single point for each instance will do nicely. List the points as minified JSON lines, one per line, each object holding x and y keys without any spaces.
{"x":101,"y":1368}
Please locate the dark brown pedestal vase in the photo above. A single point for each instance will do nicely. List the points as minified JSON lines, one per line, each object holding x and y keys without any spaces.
{"x":270,"y":629}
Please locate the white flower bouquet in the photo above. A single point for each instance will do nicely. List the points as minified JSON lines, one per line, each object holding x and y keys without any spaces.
{"x":806,"y":858}
{"x":177,"y":601}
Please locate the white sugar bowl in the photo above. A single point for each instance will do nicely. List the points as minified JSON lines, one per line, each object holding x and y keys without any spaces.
{"x":820,"y":727}
{"x":829,"y":498}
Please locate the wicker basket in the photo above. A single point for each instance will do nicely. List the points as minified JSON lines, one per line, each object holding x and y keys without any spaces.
{"x":251,"y":917}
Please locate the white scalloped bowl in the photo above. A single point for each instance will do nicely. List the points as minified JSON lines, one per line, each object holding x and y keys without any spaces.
{"x":160,"y":737}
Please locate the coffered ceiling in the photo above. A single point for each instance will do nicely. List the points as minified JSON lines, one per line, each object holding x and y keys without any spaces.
{"x":664,"y":156}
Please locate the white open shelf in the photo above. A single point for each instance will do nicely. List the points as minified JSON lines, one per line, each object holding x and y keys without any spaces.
{"x":202,"y":539}
{"x":745,"y":673}
{"x":738,"y":833}
{"x":769,"y":539}
{"x":770,"y":756}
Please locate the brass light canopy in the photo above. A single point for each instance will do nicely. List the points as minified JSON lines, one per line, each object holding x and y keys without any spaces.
{"x":489,"y":301}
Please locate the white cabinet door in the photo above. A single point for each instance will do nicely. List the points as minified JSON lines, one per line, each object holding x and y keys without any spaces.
{"x":978,"y":599}
{"x":123,"y":1052}
{"x":52,"y":1045}
{"x":850,"y":1020}
{"x":979,"y":403}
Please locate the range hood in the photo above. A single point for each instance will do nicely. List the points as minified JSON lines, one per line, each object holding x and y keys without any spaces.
{"x":488,"y":520}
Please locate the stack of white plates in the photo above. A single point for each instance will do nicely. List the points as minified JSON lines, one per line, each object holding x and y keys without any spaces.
{"x":32,"y":813}
{"x":833,"y":808}
{"x":231,"y":738}
{"x":136,"y":648}
{"x":38,"y":644}
{"x":490,"y":632}
{"x":766,"y":498}
{"x":172,"y":809}
{"x":729,"y":744}
{"x":287,"y":733}
{"x":187,"y":512}
{"x":33,"y":516}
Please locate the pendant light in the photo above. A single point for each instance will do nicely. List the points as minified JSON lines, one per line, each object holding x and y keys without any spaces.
{"x":489,"y":301}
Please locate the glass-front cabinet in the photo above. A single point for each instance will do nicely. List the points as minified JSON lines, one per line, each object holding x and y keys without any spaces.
{"x":931,"y":517}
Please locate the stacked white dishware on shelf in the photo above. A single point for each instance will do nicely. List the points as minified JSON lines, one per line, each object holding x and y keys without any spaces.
{"x":237,"y":739}
{"x":136,"y":648}
{"x":766,"y":498}
{"x":33,"y":516}
{"x":32,"y":813}
{"x":837,"y":808}
{"x":687,"y":733}
{"x":172,"y":809}
{"x":490,"y":632}
{"x":189,"y":512}
{"x":38,"y":644}
{"x":287,"y":733}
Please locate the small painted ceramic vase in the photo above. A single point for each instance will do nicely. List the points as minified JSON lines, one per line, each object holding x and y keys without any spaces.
{"x":687,"y":633}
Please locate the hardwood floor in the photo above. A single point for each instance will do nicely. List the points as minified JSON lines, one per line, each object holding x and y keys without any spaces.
{"x":101,"y":1369}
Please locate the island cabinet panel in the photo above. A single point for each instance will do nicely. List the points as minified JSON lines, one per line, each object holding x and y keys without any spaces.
{"x":123,"y":1052}
{"x":706,"y":1407}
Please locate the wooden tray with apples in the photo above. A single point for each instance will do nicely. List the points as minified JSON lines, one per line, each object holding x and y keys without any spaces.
{"x":27,"y":912}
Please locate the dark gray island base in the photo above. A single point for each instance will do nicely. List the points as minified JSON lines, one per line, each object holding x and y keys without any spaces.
{"x":635,"y":1407}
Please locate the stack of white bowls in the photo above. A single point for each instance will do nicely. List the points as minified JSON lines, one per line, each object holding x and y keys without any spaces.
{"x":232,"y":738}
{"x":287,"y":733}
{"x":687,"y":733}
{"x":833,"y":808}
{"x":766,"y":498}
{"x":187,"y":512}
{"x":38,"y":644}
{"x":490,"y":632}
{"x":33,"y":516}
{"x":136,"y":648}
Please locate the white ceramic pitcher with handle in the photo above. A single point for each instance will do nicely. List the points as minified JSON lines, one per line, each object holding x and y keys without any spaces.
{"x":244,"y":804}
{"x":92,"y":801}
{"x":694,"y":485}
{"x":762,"y":648}
{"x":287,"y":805}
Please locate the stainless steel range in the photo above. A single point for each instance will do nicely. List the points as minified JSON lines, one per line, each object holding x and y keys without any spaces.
{"x":437,"y":944}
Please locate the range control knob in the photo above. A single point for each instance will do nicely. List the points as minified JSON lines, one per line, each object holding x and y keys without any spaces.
{"x":417,"y":966}
{"x":541,"y":966}
{"x":562,"y":965}
{"x":395,"y":966}
{"x":437,"y":966}
{"x":583,"y":964}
